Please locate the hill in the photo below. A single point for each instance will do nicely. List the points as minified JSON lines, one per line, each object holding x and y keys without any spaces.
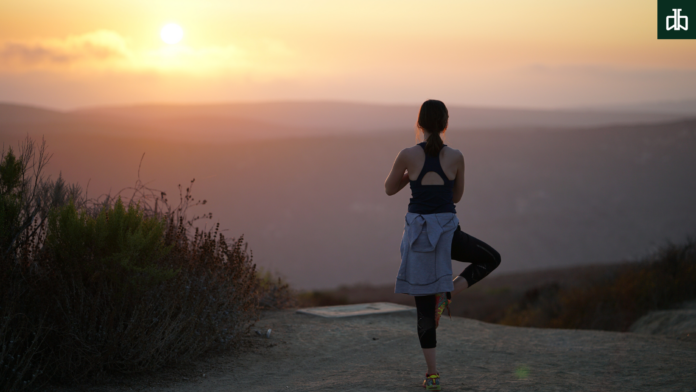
{"x":215,"y":123}
{"x":329,"y":118}
{"x":313,"y":208}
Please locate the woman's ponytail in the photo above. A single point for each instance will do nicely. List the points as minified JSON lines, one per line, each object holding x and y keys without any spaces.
{"x":433,"y":117}
{"x":434,"y":144}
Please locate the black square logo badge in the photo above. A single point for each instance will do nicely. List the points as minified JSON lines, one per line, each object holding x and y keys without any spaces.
{"x":673,"y":19}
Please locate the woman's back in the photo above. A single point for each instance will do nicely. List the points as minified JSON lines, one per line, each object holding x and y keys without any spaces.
{"x":432,"y":189}
{"x":448,"y":158}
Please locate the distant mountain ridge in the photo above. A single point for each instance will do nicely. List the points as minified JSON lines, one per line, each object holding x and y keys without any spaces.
{"x":685,"y":107}
{"x":16,"y":113}
{"x":347,"y":116}
{"x":268,"y":120}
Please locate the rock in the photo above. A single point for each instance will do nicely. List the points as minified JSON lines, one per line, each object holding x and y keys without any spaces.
{"x":666,"y":322}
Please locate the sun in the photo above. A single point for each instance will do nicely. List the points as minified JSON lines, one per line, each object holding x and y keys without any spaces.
{"x":171,"y":33}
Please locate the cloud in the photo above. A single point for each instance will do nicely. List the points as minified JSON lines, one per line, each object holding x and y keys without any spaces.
{"x":608,"y":72}
{"x":97,"y":46}
{"x":108,"y":50}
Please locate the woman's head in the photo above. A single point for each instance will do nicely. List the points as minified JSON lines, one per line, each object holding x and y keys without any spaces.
{"x":432,"y":119}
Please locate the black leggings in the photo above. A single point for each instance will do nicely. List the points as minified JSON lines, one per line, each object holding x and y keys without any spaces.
{"x":468,"y":249}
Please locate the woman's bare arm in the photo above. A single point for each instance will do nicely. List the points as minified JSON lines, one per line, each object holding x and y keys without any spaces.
{"x":459,"y":180}
{"x":398,"y":177}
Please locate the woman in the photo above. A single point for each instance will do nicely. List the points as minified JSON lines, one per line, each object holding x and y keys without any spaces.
{"x":432,"y":236}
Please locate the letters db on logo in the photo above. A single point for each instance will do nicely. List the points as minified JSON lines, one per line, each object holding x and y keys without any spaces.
{"x":673,"y":19}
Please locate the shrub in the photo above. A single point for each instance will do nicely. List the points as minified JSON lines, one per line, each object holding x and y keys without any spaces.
{"x":93,"y":309}
{"x":661,"y":281}
{"x":104,"y":285}
{"x":322,"y":298}
{"x":118,"y":243}
{"x":274,"y":294}
{"x":23,"y":335}
{"x":26,"y":196}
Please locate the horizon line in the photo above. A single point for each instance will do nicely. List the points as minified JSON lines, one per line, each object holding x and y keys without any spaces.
{"x":619,"y":106}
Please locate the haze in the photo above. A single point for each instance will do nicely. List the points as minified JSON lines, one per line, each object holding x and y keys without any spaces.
{"x":559,"y":189}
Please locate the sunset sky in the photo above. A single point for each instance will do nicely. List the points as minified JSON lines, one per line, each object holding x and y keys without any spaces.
{"x":75,"y":53}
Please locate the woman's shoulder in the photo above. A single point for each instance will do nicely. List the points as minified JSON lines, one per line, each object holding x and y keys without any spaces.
{"x":411,"y":151}
{"x":452,"y":151}
{"x":417,"y":151}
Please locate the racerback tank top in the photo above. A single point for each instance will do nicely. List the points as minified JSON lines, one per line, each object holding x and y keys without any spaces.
{"x":431,"y":199}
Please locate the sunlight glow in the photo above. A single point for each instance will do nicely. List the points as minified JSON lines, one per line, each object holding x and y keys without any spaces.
{"x":172,"y":33}
{"x":536,"y":53}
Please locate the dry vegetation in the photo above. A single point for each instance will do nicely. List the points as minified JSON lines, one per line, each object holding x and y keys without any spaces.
{"x":97,"y":286}
{"x":606,"y":297}
{"x":615,"y":301}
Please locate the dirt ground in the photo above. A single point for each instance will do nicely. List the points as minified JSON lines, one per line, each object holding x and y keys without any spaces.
{"x":309,"y":353}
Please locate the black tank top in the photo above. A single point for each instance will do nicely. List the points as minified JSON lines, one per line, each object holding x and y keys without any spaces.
{"x":431,"y":199}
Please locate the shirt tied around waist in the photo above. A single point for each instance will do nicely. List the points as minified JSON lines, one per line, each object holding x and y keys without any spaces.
{"x":426,"y":247}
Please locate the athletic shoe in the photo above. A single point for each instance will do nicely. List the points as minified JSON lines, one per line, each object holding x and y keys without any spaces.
{"x":432,"y":382}
{"x":441,"y":303}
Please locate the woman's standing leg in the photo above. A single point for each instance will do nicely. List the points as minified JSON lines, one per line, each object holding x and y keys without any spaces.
{"x":425,"y":307}
{"x":483,"y":258}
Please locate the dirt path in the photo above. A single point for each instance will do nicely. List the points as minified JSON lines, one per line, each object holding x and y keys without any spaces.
{"x":307,"y":353}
